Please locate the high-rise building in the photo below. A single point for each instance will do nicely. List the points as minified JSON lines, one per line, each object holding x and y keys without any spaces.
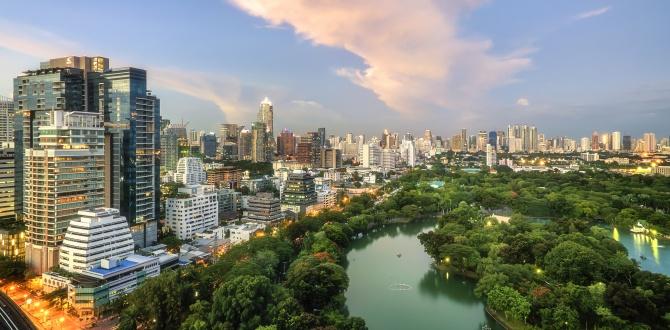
{"x":63,"y":173}
{"x":482,"y":140}
{"x":286,"y":143}
{"x":190,"y":171}
{"x":370,"y":155}
{"x":649,"y":142}
{"x":266,"y":116}
{"x":96,"y":235}
{"x":627,"y":144}
{"x":331,"y":158}
{"x":169,"y":149}
{"x":584,"y":144}
{"x":605,"y":141}
{"x":10,"y":201}
{"x":259,"y":142}
{"x":6,"y":120}
{"x":408,"y":150}
{"x":244,"y":145}
{"x":464,"y":140}
{"x":224,"y":177}
{"x":229,"y":202}
{"x":595,"y":141}
{"x":389,"y":158}
{"x":493,"y":139}
{"x":491,"y":158}
{"x":132,"y":148}
{"x":208,"y":145}
{"x":322,"y":136}
{"x":615,"y":139}
{"x":195,"y":210}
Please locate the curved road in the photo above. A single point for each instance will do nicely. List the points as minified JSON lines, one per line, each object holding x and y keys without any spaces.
{"x":11,"y":316}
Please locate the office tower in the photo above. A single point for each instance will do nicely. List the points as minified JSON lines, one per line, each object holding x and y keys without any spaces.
{"x":264,"y":208}
{"x":208,"y":145}
{"x":244,"y":145}
{"x":408,"y":150}
{"x":428,"y":136}
{"x":266,"y":116}
{"x":456,"y":143}
{"x":96,"y":234}
{"x":229,"y":132}
{"x":299,"y":192}
{"x":385,"y":139}
{"x":464,"y":140}
{"x":615,"y":139}
{"x":315,"y":152}
{"x":132,"y":148}
{"x":169,"y":149}
{"x":595,"y":141}
{"x":286,"y":143}
{"x":482,"y":140}
{"x":584,"y":144}
{"x":349,"y":138}
{"x":322,"y":136}
{"x":64,"y":171}
{"x":331,"y":158}
{"x":605,"y":141}
{"x":195,"y":211}
{"x":493,"y":139}
{"x":190,"y":171}
{"x":491,"y":159}
{"x":626,"y":143}
{"x":532,"y":138}
{"x":258,"y":142}
{"x":649,"y":142}
{"x":360,"y":140}
{"x":6,"y":120}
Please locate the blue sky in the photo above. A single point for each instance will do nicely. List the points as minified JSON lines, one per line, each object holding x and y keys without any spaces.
{"x":570,"y":67}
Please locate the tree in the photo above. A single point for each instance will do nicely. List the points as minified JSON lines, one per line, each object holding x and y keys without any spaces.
{"x":459,"y":255}
{"x":242,"y":303}
{"x":315,"y":284}
{"x":509,"y":301}
{"x":572,"y":262}
{"x":488,"y":282}
{"x":198,"y":319}
{"x":432,"y":242}
{"x":338,"y":232}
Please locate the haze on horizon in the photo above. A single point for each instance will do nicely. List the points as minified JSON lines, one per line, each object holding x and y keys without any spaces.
{"x":362,"y":66}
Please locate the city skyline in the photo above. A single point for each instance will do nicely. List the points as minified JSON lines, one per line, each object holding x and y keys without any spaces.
{"x":563,"y":69}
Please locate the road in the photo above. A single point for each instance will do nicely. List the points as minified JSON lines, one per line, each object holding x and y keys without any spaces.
{"x":11,"y":317}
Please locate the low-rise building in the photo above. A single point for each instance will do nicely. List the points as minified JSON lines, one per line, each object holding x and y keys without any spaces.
{"x":194,"y":210}
{"x":244,"y":232}
{"x":224,"y":177}
{"x":263,"y":208}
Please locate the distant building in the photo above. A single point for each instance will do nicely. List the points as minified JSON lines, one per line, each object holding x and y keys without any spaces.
{"x":331,"y":158}
{"x":229,"y":203}
{"x":491,"y":158}
{"x":208,"y":145}
{"x":661,"y":170}
{"x":194,"y":210}
{"x":190,"y":171}
{"x":224,"y":177}
{"x":590,"y":157}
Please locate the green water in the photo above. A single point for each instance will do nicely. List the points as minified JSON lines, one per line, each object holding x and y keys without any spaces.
{"x":656,"y":252}
{"x":406,"y":292}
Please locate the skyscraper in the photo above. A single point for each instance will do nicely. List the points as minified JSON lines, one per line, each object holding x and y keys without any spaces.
{"x":132,"y":143}
{"x":627,"y":144}
{"x":266,"y":116}
{"x":169,"y":149}
{"x":63,"y":174}
{"x":244,"y":145}
{"x":464,"y":140}
{"x":649,"y":142}
{"x":615,"y":138}
{"x":322,"y":136}
{"x":208,"y":145}
{"x":493,"y":139}
{"x":258,"y":142}
{"x":286,"y":143}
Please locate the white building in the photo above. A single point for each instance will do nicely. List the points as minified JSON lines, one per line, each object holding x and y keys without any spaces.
{"x":616,"y":141}
{"x":408,"y":152}
{"x":370,"y":154}
{"x":190,"y":171}
{"x":584,"y":144}
{"x":98,"y":234}
{"x":326,"y":198}
{"x":590,"y":157}
{"x":244,"y":232}
{"x":389,"y":159}
{"x":194,"y":211}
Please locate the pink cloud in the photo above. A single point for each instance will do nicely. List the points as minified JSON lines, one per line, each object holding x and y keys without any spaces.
{"x":413,"y":54}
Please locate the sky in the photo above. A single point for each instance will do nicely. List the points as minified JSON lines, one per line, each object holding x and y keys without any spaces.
{"x":568,"y":67}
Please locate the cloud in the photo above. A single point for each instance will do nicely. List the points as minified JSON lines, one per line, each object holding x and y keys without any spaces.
{"x":222,"y":90}
{"x":522,"y":101}
{"x":592,"y":13}
{"x":413,"y":55}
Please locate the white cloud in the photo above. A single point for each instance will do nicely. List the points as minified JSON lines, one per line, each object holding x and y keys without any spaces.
{"x":414,"y":57}
{"x":592,"y":13}
{"x":522,"y":101}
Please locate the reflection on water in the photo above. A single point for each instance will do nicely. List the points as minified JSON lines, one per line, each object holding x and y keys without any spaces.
{"x":407,"y":292}
{"x":648,"y":251}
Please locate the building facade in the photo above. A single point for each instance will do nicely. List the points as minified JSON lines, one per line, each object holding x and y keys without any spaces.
{"x":190,"y":171}
{"x":264,"y":208}
{"x":194,"y":211}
